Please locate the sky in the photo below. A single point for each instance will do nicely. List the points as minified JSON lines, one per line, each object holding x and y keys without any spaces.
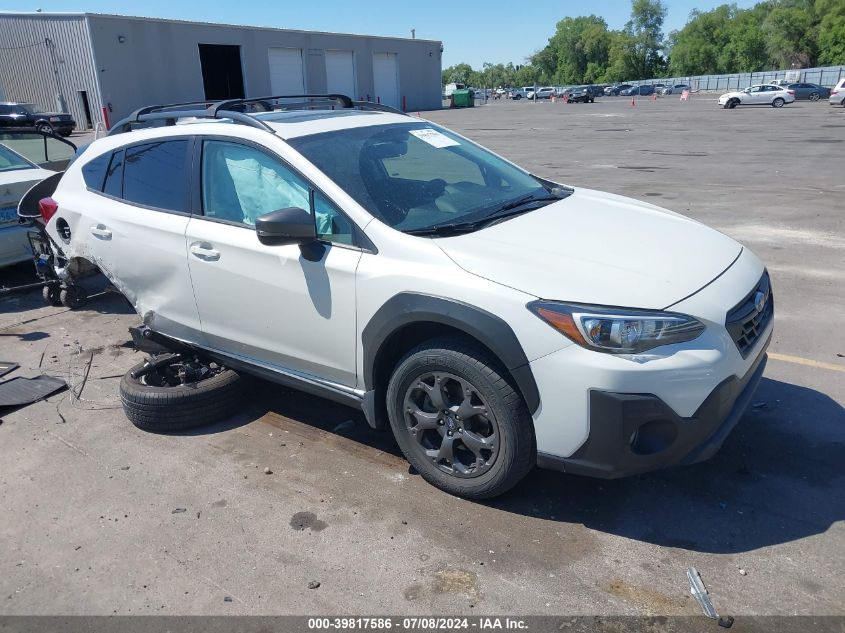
{"x":472,"y":31}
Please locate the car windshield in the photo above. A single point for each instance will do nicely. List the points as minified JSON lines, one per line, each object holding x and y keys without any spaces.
{"x":418,"y":177}
{"x":31,"y":108}
{"x":12,"y":161}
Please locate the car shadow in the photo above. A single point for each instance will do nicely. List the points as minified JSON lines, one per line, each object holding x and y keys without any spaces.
{"x":776,"y":479}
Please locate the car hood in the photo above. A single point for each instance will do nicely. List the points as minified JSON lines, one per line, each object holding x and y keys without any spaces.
{"x":597,"y":248}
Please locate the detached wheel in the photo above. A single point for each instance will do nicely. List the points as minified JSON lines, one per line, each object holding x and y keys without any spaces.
{"x":778,"y":103}
{"x":162,"y":401}
{"x":458,"y":421}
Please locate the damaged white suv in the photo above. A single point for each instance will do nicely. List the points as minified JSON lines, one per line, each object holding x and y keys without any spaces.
{"x":492,"y":319}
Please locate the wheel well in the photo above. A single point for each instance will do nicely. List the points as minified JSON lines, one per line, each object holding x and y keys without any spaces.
{"x":406,"y":338}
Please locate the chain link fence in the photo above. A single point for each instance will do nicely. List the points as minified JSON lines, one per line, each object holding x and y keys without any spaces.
{"x":828,"y":76}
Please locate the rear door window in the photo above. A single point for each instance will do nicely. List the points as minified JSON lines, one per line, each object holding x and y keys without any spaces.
{"x":155,"y":175}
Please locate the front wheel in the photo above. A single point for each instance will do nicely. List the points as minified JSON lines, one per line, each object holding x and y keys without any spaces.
{"x":459,"y":421}
{"x":44,"y":128}
{"x":778,"y":103}
{"x":733,"y":103}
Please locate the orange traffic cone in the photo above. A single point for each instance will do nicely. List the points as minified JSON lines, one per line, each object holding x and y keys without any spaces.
{"x":633,"y":101}
{"x":654,"y":96}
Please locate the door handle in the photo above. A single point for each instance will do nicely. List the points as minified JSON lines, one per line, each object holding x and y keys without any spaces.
{"x":101,"y":231}
{"x":204,"y":251}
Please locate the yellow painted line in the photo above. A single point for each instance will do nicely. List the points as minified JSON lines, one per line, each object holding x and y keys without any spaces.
{"x":786,"y":358}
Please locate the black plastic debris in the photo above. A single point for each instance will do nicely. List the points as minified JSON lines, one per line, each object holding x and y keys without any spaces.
{"x":19,"y":392}
{"x":6,"y":368}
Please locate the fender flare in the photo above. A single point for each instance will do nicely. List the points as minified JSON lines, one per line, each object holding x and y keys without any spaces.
{"x":487,"y":328}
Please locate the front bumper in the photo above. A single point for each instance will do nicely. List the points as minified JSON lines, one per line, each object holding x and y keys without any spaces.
{"x":636,"y":433}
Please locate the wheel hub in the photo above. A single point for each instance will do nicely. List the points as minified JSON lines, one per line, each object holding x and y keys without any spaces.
{"x":451,"y":424}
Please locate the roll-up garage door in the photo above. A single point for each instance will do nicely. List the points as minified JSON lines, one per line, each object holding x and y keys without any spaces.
{"x":286,"y":75}
{"x":340,"y":73}
{"x":386,"y":78}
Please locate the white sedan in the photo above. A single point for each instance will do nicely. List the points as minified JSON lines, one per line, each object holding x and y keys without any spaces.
{"x":766,"y":94}
{"x":17,"y":175}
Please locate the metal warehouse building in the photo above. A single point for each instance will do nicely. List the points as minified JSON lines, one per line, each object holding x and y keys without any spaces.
{"x":101,"y":67}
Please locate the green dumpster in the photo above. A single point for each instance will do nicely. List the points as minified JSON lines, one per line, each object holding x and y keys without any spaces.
{"x":463,"y":99}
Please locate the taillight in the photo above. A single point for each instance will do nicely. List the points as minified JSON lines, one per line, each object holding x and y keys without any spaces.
{"x":792,"y":92}
{"x":47,"y":207}
{"x":834,"y":92}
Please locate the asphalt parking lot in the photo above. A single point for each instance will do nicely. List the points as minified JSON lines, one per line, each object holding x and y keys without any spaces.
{"x":102,"y":518}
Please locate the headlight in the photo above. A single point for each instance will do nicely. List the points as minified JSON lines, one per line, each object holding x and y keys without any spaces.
{"x":615,"y":330}
{"x":55,"y":119}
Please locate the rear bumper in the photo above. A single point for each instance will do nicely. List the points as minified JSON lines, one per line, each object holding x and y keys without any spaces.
{"x":637,"y":433}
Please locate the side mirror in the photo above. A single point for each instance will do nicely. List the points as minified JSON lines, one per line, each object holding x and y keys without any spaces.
{"x":286,"y":226}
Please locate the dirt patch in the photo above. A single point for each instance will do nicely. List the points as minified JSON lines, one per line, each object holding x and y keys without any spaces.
{"x":456,"y":581}
{"x":651,"y":602}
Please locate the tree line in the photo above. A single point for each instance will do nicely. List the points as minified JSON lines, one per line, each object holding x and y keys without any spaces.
{"x":771,"y":35}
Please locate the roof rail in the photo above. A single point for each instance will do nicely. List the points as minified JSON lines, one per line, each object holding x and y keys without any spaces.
{"x":235,"y":109}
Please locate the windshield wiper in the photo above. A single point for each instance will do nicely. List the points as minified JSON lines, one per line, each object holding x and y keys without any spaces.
{"x":510,"y":209}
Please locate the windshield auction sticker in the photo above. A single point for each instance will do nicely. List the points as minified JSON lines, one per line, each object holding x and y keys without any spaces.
{"x":433,"y":137}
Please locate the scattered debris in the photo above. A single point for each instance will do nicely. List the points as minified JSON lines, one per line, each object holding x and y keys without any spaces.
{"x":124,"y":468}
{"x":18,"y":392}
{"x":267,"y":471}
{"x":726,"y":621}
{"x":699,"y":592}
{"x":227,"y":599}
{"x":313,"y":584}
{"x":742,"y":572}
{"x":178,"y":510}
{"x":760,"y":405}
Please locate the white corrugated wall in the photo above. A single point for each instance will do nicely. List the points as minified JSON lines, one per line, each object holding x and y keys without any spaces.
{"x":27,"y":71}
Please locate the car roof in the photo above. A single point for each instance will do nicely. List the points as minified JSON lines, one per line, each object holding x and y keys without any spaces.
{"x":295,"y":123}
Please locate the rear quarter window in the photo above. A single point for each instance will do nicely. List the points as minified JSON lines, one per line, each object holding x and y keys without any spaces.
{"x":154,"y":175}
{"x":94,"y":171}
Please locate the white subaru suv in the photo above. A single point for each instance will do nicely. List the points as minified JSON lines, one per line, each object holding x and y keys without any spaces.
{"x":494,"y":320}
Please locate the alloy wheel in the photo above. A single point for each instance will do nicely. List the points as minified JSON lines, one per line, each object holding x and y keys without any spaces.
{"x":451,"y":424}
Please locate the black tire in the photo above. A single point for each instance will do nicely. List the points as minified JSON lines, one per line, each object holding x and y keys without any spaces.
{"x":778,"y":103}
{"x":814,"y":96}
{"x":71,"y":297}
{"x":51,"y":293}
{"x":46,"y":128}
{"x":733,"y":103}
{"x":168,"y":409}
{"x":514,"y":447}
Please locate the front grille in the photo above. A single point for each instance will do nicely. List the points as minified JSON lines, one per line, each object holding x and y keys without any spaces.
{"x":747,"y":321}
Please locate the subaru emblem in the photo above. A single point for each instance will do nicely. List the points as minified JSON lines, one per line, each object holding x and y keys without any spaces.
{"x":759,"y":301}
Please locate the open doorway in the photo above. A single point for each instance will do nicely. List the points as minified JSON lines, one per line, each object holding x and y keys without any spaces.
{"x":82,"y":95}
{"x":222,"y":73}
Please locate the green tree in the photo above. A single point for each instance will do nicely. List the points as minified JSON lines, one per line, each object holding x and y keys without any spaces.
{"x":578,"y":44}
{"x":459,"y":73}
{"x":791,"y":35}
{"x":831,"y":30}
{"x":645,"y":29}
{"x":700,"y":47}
